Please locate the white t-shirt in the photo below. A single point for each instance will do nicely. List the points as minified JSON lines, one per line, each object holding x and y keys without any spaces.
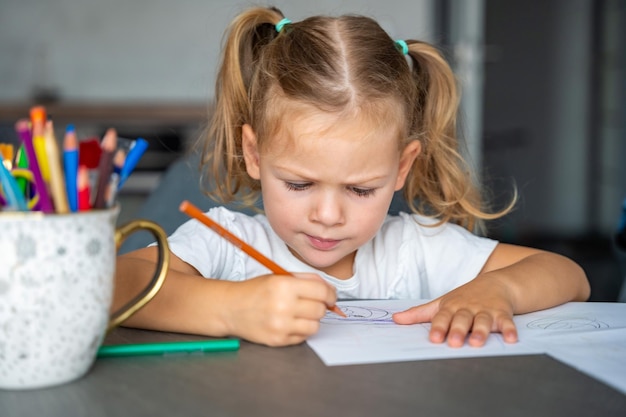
{"x":405,"y":260}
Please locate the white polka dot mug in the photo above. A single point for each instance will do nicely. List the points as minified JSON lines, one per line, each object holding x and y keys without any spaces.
{"x":56,"y":288}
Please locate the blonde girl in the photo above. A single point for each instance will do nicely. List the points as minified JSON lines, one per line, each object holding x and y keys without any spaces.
{"x":325,"y":119}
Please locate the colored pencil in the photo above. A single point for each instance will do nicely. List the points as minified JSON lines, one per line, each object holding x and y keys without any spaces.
{"x":194,"y":212}
{"x":105,"y":168}
{"x":21,"y":161}
{"x":118,"y":163}
{"x":13,"y":196}
{"x":7,"y":151}
{"x":135,"y":153}
{"x":38,"y":118}
{"x":84,"y":189}
{"x":70,"y":166}
{"x":45,"y":204}
{"x":57,"y":179}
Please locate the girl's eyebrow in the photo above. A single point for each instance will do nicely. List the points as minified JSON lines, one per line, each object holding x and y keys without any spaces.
{"x":304,"y":177}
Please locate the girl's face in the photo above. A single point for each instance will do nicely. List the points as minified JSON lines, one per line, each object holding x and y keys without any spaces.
{"x":327,"y":185}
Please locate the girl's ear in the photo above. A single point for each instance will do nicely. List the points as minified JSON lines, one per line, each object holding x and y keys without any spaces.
{"x":250,"y":151}
{"x":410,"y":152}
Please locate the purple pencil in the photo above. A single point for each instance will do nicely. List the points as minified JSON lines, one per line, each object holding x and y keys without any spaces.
{"x":21,"y":127}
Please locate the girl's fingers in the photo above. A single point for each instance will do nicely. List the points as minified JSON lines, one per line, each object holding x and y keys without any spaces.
{"x":507,"y":327}
{"x":313,"y":287}
{"x":304,"y":328}
{"x":309,"y":310}
{"x":440,"y":325}
{"x":481,"y":328}
{"x":460,"y":326}
{"x":456,"y":326}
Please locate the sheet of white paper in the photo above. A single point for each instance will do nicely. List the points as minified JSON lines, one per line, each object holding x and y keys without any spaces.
{"x":590,"y":337}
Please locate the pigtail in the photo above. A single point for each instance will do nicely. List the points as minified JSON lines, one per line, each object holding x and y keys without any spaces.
{"x":222,"y":156}
{"x":441,"y":183}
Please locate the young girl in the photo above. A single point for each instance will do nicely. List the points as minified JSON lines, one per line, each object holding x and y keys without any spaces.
{"x":325,"y":119}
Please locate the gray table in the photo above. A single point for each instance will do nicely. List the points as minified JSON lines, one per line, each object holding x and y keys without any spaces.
{"x":292,"y":381}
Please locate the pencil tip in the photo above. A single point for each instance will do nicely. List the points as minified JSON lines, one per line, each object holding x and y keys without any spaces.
{"x":119,"y":158}
{"x":22,"y":125}
{"x":183,"y":206}
{"x":38,"y":114}
{"x":109,"y":143}
{"x":335,"y":309}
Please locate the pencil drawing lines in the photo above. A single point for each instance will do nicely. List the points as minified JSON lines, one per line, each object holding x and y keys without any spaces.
{"x":567,"y":323}
{"x":359,"y":314}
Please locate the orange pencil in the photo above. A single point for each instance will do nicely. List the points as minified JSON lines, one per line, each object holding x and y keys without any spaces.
{"x":193,"y":211}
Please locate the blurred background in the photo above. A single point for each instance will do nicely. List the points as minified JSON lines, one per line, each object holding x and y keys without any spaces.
{"x":543,"y":105}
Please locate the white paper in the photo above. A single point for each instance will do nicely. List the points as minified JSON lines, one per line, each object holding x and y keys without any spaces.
{"x":590,"y":337}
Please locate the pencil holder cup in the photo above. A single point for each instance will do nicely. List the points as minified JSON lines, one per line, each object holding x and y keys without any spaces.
{"x":56,"y":287}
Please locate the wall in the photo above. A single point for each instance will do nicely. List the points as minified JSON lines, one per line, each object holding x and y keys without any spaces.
{"x":537,"y":112}
{"x":146,"y":49}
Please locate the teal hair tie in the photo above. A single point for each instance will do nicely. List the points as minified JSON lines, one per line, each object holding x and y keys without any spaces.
{"x":279,"y":26}
{"x":402,"y":46}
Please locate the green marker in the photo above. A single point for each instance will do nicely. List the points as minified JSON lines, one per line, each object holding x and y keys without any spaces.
{"x":213,"y":345}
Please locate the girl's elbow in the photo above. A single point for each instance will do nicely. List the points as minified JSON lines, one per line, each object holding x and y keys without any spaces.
{"x":584,"y":287}
{"x":586,"y":291}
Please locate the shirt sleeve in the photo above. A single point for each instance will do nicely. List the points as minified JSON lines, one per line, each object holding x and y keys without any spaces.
{"x":210,"y":254}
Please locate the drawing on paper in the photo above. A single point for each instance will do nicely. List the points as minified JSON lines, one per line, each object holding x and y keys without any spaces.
{"x":359,"y":314}
{"x":567,"y":323}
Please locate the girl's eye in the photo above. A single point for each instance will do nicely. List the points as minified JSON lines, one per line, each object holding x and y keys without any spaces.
{"x":296,"y":186}
{"x":363,"y":192}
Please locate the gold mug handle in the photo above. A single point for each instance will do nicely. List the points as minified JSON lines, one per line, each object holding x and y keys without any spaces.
{"x":156,"y":282}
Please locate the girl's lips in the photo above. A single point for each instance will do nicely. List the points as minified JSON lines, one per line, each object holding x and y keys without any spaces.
{"x":323,"y":244}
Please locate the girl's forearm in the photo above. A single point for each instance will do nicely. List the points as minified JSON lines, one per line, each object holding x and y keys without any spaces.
{"x":199,"y":313}
{"x":542,"y":280}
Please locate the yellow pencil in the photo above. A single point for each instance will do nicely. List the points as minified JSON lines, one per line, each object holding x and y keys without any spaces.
{"x":57,"y":179}
{"x":38,"y":118}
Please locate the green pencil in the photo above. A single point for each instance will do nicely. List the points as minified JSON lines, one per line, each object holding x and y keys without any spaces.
{"x":213,"y":345}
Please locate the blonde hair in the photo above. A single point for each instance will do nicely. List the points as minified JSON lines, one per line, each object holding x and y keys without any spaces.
{"x":339,"y":64}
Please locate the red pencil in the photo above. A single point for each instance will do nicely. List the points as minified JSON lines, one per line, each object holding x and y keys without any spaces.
{"x":193,"y":211}
{"x":84,"y":191}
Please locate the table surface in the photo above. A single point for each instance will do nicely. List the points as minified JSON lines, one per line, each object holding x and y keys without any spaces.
{"x":292,"y":381}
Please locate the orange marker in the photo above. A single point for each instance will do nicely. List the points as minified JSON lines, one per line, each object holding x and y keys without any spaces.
{"x":192,"y":211}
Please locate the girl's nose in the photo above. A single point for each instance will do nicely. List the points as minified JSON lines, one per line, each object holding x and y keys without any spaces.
{"x":327,"y":209}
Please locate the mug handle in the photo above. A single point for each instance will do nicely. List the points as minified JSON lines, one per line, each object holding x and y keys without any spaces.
{"x":156,"y":282}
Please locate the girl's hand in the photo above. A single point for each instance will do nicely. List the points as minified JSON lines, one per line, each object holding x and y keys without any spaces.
{"x":477,"y":308}
{"x":515,"y":279}
{"x":277,"y":310}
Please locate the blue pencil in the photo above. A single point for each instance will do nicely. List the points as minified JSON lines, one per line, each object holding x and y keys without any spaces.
{"x":134,"y":155}
{"x":14,"y":197}
{"x":70,"y":166}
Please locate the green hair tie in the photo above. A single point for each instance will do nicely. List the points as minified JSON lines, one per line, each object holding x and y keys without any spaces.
{"x":279,"y":26}
{"x":402,"y":46}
